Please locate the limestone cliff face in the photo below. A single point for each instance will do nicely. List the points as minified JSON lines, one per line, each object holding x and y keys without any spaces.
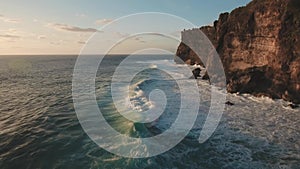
{"x":259,"y":46}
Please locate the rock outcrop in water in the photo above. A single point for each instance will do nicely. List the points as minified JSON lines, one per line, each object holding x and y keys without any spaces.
{"x":259,"y":46}
{"x":196,"y":73}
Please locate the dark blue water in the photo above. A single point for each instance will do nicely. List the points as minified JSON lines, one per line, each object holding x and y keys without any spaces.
{"x":39,"y":127}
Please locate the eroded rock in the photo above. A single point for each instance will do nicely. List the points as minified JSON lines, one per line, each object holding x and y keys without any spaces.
{"x":259,"y":46}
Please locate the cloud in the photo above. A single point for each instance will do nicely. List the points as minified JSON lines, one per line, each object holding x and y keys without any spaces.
{"x":65,"y":27}
{"x":121,"y":35}
{"x":57,"y":43}
{"x":42,"y":37}
{"x":103,"y":21}
{"x":12,"y":30}
{"x":81,"y":42}
{"x":9,"y":20}
{"x":139,"y":39}
{"x":13,"y":35}
{"x":9,"y":36}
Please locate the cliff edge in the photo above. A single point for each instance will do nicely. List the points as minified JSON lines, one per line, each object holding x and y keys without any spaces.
{"x":259,"y":46}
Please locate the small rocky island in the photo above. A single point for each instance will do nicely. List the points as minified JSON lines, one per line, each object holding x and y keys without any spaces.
{"x":259,"y":46}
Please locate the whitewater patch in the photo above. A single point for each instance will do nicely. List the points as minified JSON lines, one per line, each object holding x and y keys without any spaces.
{"x":138,"y":99}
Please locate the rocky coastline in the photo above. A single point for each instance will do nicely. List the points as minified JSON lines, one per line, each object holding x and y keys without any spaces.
{"x":259,"y":46}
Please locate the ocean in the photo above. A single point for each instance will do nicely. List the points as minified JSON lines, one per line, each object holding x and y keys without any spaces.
{"x":39,"y":128}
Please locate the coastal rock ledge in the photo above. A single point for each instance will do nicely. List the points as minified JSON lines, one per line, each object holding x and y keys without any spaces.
{"x":259,"y":46}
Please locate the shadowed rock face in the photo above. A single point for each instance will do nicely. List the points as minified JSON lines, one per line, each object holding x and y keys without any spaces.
{"x":259,"y":46}
{"x":196,"y":73}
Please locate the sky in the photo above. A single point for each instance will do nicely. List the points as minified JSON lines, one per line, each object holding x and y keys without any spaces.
{"x":34,"y":27}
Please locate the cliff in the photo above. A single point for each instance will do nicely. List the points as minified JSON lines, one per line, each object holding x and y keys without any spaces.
{"x":259,"y":46}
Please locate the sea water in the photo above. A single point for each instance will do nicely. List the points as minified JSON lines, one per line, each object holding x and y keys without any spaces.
{"x":39,"y":127}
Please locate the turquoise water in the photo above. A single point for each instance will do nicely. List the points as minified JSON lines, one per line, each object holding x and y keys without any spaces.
{"x":39,"y":127}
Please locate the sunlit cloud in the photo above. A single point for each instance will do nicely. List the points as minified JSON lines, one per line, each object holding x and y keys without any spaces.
{"x":57,"y":43}
{"x":9,"y":20}
{"x":65,"y":27}
{"x":81,"y":42}
{"x":139,"y":39}
{"x":121,"y":35}
{"x":103,"y":21}
{"x":41,"y":37}
{"x":14,"y":34}
{"x":9,"y":36}
{"x":12,"y":30}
